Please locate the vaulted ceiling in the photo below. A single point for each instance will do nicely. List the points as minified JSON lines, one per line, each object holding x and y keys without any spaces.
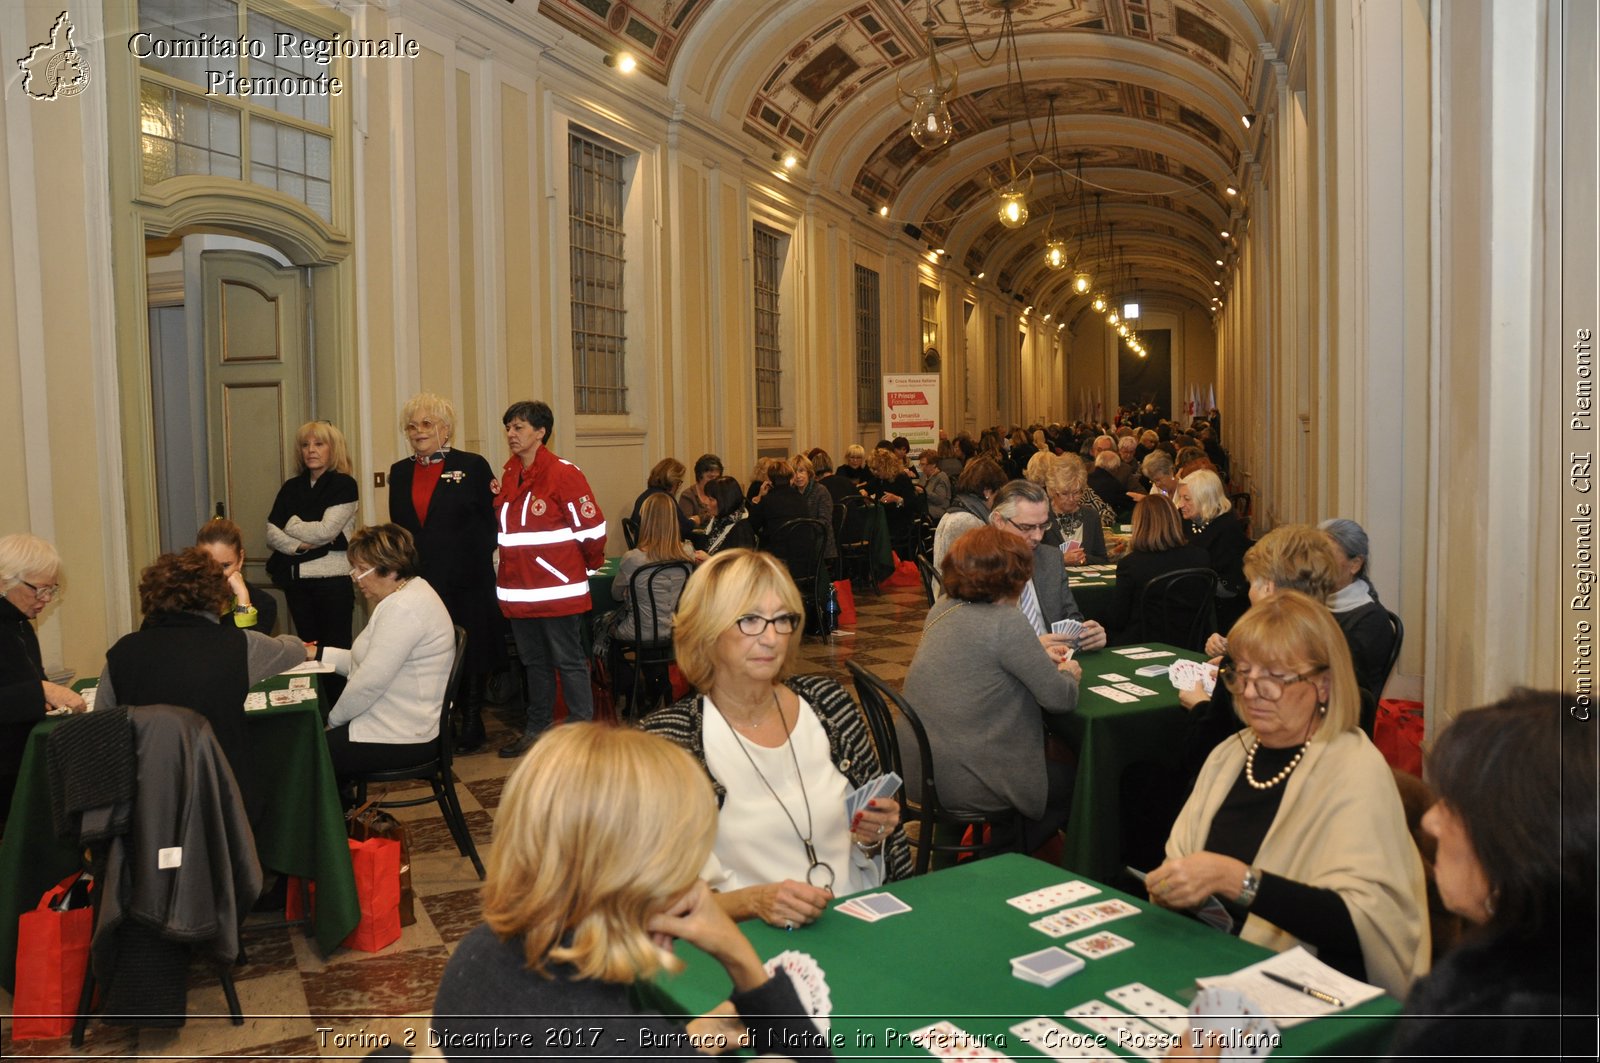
{"x":1148,"y":97}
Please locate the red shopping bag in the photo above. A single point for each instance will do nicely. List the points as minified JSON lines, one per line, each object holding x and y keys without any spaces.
{"x":52,"y":954}
{"x":846,"y":596}
{"x":376,"y":863}
{"x":302,"y":899}
{"x":605,"y":706}
{"x":1397,"y":733}
{"x":905,"y":574}
{"x":680,"y":685}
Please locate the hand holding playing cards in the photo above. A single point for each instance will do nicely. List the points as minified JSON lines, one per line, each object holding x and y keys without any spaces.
{"x":1216,"y":645}
{"x":1074,"y":555}
{"x":875,"y":822}
{"x":697,"y":918}
{"x":1184,"y":882}
{"x":1092,"y":637}
{"x":1194,"y":696}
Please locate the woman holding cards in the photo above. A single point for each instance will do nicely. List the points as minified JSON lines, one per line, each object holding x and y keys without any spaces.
{"x":783,"y":752}
{"x":599,"y":841}
{"x":1295,"y":823}
{"x":1515,"y":826}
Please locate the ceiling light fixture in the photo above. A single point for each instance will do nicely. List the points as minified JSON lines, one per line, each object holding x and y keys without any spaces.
{"x":883,"y":212}
{"x":1226,"y":235}
{"x":1248,"y":120}
{"x":1230,"y":190}
{"x":622,"y":62}
{"x":931,"y":125}
{"x":1219,"y":261}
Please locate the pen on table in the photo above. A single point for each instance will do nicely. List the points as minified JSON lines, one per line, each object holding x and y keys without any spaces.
{"x":1326,"y":998}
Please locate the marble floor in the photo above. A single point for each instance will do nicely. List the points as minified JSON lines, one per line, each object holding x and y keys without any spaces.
{"x":300,"y":1004}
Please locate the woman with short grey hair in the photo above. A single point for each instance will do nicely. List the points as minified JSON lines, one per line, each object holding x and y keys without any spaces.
{"x":1355,"y":605}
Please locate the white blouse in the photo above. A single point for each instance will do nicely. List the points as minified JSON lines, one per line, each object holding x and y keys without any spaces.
{"x":756,"y":843}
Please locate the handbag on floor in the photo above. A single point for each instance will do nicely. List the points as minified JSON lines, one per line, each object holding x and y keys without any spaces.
{"x":52,"y":955}
{"x":370,"y":821}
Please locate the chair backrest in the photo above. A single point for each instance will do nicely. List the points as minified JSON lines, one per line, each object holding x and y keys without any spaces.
{"x":1394,"y":651}
{"x":448,"y":702}
{"x":930,"y":577}
{"x":880,"y":721}
{"x":653,"y":592}
{"x":1179,"y":608}
{"x":850,"y":516}
{"x":928,"y":811}
{"x":799,"y":543}
{"x":630,"y":532}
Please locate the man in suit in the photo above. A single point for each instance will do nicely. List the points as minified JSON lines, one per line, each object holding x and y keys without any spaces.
{"x":1023,"y":509}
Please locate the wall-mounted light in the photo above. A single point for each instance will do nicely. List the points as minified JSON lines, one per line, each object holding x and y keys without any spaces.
{"x":1225,"y":234}
{"x":1219,"y":261}
{"x":1217,"y":283}
{"x":622,"y":62}
{"x":1047,"y":317}
{"x":982,"y":274}
{"x":1230,"y":190}
{"x":1028,"y":309}
{"x":1248,"y":120}
{"x":883,"y":212}
{"x":790,"y":160}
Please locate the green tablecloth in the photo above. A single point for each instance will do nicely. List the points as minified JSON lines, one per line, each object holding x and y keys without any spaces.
{"x":949,"y":958}
{"x":1109,"y":736}
{"x":1093,"y":591}
{"x":302,"y":828}
{"x":600,"y":586}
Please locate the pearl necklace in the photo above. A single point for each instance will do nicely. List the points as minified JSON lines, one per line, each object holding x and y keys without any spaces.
{"x":1250,"y":765}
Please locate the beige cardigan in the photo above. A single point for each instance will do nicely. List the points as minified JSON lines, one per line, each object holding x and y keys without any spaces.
{"x":1340,"y":827}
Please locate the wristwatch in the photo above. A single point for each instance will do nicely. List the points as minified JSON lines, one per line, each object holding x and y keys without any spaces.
{"x":1247,"y":891}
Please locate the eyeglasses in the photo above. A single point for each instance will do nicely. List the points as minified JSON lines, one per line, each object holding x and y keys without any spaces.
{"x":1268,"y":687}
{"x":753,"y":625}
{"x":45,"y":593}
{"x":1027,"y":529}
{"x":357,"y":577}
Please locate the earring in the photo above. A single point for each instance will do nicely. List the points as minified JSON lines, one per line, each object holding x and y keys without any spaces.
{"x":1322,"y":708}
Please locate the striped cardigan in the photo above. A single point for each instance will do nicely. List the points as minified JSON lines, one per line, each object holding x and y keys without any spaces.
{"x":849,"y":745}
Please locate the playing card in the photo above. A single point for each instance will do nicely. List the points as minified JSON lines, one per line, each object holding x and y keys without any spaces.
{"x":1235,"y":1020}
{"x":1147,"y":654}
{"x":1135,"y":689}
{"x":883,"y":786}
{"x":1113,"y":677}
{"x":255,"y":700}
{"x":1043,"y":900}
{"x":1069,"y":628}
{"x":1146,"y":1003}
{"x":300,"y":682}
{"x":1046,"y":967}
{"x":946,"y":1040}
{"x":810,"y":985}
{"x":1059,"y":1042}
{"x":1097,"y":945}
{"x":283,"y":697}
{"x":853,"y":908}
{"x":1185,"y":674}
{"x":1083,"y":917}
{"x":1114,"y":694}
{"x":881,"y":904}
{"x":1132,"y":651}
{"x":1150,"y":671}
{"x":1122,"y":1030}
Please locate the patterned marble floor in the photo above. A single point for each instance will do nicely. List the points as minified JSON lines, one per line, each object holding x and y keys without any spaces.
{"x":298,"y":1004}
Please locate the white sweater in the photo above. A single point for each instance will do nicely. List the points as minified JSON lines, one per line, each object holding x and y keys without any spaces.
{"x":398,"y":669}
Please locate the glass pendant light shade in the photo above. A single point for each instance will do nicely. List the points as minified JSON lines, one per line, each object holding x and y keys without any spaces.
{"x":1099,"y":303}
{"x":931,"y":126}
{"x":1122,"y":330}
{"x":1055,"y":254}
{"x":1081,"y":283}
{"x":1013,"y":211}
{"x":1112,"y":319}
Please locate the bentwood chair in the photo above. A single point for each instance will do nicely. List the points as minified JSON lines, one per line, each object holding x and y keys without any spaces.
{"x":852,"y":523}
{"x":652,"y":596}
{"x":1394,"y":651}
{"x":630,"y":532}
{"x":1179,"y":608}
{"x":993,"y":832}
{"x":800,"y":544}
{"x":435,"y":771}
{"x":932,"y":585}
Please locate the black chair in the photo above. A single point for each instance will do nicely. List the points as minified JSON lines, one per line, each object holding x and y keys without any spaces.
{"x":1394,"y":652}
{"x":630,"y":532}
{"x":435,"y":771}
{"x":930,"y":577}
{"x":907,"y":541}
{"x":800,"y":543}
{"x":852,"y":522}
{"x":1240,"y":501}
{"x":1179,"y":608}
{"x":650,"y":650}
{"x":1004,"y":829}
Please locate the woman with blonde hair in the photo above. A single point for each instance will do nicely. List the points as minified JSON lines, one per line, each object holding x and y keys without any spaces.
{"x":1295,"y":823}
{"x":308,"y":529}
{"x":891,"y":487}
{"x":658,"y":542}
{"x":445,"y":498}
{"x":1213,"y":526}
{"x":599,"y":841}
{"x":855,"y":464}
{"x":782,"y":750}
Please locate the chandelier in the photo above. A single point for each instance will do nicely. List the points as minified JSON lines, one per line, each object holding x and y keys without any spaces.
{"x":931,"y":124}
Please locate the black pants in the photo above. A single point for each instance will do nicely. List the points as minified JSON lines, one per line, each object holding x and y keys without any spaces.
{"x":322,"y":609}
{"x":357,"y":758}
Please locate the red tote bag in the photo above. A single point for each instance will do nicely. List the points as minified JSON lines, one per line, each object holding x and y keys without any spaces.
{"x":1397,"y":733}
{"x":376,"y":862}
{"x":846,"y":596}
{"x":52,"y":954}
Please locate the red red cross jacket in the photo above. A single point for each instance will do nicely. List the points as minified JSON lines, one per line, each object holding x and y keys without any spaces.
{"x":552,"y":535}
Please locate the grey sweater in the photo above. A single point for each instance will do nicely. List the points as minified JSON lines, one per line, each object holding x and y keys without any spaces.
{"x":978,"y":682}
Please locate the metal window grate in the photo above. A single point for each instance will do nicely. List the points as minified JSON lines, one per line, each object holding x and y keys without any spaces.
{"x":769,"y":355}
{"x":869,"y":346}
{"x":597,"y":193}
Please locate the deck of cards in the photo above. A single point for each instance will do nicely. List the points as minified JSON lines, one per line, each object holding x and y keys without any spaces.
{"x":870,"y":907}
{"x":1046,"y":967}
{"x":883,"y":786}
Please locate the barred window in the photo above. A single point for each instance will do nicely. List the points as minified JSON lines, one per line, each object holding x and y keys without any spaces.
{"x":869,"y":347}
{"x":596,"y":196}
{"x":769,"y":354}
{"x":928,"y":300}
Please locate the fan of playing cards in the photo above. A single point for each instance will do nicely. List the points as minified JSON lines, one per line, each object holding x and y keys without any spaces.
{"x":1185,"y":674}
{"x":809,"y":985}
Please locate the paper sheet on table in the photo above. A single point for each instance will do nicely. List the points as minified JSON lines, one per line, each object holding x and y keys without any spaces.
{"x":307,"y":668}
{"x":1290,"y":1007}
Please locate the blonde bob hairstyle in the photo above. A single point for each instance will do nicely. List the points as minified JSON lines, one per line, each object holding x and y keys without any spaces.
{"x":1294,"y":557}
{"x":1038,"y":470}
{"x":1289,"y":633}
{"x":1207,"y":493}
{"x":427,"y":404}
{"x":323,"y":432}
{"x":1064,"y":474}
{"x":721,"y":591}
{"x":23,"y":555}
{"x":599,"y":829}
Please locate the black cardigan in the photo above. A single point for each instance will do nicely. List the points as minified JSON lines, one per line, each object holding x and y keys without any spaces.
{"x":1223,"y":539}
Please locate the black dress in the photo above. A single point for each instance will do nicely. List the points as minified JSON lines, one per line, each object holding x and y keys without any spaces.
{"x":1371,"y":637}
{"x":1223,"y":540}
{"x":456,"y":546}
{"x":21,"y":695}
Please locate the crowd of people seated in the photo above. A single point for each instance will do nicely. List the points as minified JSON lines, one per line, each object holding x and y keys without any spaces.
{"x":729,"y":804}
